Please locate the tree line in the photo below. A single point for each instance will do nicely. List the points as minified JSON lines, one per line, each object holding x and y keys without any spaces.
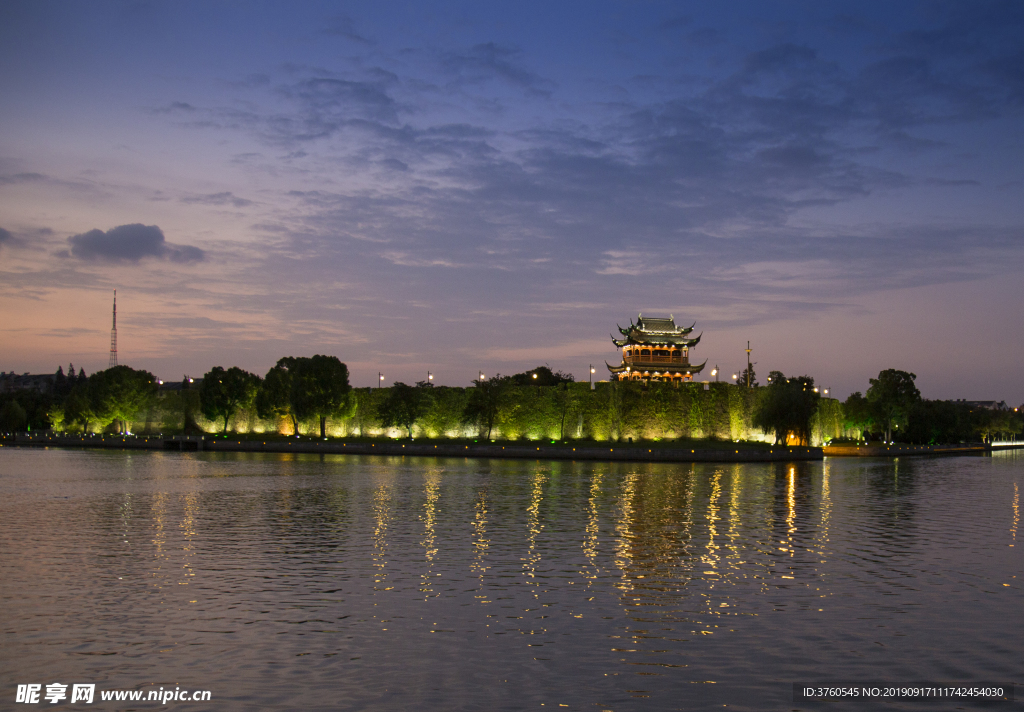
{"x":312,"y":394}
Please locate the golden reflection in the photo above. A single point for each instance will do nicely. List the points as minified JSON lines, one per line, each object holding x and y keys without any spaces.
{"x":826,"y":505}
{"x":480,"y":543}
{"x":533,"y":525}
{"x":593,"y":528}
{"x":188,"y":527}
{"x":710,"y":559}
{"x":735,"y":488}
{"x":431,"y":489}
{"x":623,"y":548}
{"x":1016,"y":514}
{"x":159,"y":535}
{"x":791,"y":508}
{"x":383,"y":497}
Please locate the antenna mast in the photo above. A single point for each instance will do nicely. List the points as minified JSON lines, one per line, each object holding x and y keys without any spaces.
{"x":113,"y":337}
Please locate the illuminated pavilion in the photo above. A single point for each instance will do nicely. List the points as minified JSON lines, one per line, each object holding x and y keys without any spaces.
{"x":655,"y":350}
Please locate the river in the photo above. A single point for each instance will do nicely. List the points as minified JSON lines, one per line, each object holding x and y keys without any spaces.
{"x":332,"y":582}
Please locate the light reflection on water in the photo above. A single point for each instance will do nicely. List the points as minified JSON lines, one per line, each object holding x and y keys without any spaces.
{"x":330,"y":582}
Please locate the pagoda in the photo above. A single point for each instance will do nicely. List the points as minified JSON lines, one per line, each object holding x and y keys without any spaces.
{"x":655,"y":349}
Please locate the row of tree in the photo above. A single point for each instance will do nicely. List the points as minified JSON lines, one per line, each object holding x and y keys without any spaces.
{"x":893,"y":404}
{"x":536,"y":403}
{"x":296,"y":388}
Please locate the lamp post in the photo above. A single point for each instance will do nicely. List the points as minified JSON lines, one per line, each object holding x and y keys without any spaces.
{"x":592,"y":376}
{"x":430,"y":377}
{"x":714,"y":372}
{"x":380,"y":379}
{"x":482,"y":376}
{"x":735,"y":376}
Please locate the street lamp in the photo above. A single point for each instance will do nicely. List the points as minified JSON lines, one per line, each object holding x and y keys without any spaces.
{"x":714,"y":372}
{"x":430,"y":377}
{"x":381,"y":377}
{"x":735,"y":376}
{"x":592,"y":376}
{"x":482,"y":376}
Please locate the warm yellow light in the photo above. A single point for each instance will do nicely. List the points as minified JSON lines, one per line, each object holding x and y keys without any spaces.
{"x":535,"y":375}
{"x":714,"y":372}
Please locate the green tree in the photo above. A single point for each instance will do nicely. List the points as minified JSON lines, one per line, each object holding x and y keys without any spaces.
{"x":404,"y":405}
{"x":121,"y":394}
{"x":567,"y":402}
{"x":994,"y":423}
{"x":274,"y":398}
{"x":223,"y":392}
{"x":786,"y":408}
{"x":858,"y":413}
{"x":56,"y":417}
{"x":892,"y":395}
{"x":78,"y":408}
{"x":13,"y":417}
{"x":541,"y":376}
{"x":486,"y":400}
{"x":742,"y":380}
{"x":320,"y":389}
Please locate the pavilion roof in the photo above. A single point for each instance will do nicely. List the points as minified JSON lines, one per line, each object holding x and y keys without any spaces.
{"x":658,"y":367}
{"x":656,"y":331}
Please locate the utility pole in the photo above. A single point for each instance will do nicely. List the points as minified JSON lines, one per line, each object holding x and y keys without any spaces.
{"x":748,"y":364}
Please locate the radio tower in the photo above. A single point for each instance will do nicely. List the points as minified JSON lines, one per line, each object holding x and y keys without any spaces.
{"x":113,"y":337}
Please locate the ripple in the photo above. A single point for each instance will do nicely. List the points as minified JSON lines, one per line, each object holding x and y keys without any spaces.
{"x":339,"y":582}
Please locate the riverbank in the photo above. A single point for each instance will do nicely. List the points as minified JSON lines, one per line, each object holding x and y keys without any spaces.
{"x":715,"y":451}
{"x":910,"y":450}
{"x":712,"y":452}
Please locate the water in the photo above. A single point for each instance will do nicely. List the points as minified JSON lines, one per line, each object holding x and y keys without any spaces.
{"x":359,"y":583}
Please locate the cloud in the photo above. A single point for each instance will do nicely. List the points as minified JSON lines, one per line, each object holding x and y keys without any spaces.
{"x":344,"y":26}
{"x":130,"y":243}
{"x":22,"y":178}
{"x":6,"y":238}
{"x":489,"y":60}
{"x":225,"y":198}
{"x":175,"y":107}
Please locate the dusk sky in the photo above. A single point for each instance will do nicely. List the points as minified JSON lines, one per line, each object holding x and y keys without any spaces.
{"x":465,"y":187}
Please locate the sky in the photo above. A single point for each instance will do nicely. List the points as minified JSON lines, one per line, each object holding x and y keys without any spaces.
{"x":487,"y":187}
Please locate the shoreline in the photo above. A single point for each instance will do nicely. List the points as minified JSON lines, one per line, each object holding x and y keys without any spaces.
{"x":612,"y":453}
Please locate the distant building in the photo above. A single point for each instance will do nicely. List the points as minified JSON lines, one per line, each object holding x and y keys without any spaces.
{"x":39,"y":382}
{"x":655,"y":349}
{"x":987,"y":405}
